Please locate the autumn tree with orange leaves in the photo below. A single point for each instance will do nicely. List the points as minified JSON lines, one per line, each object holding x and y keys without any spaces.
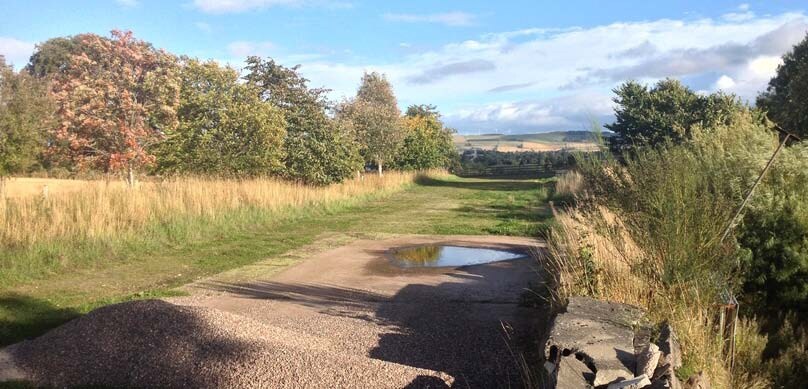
{"x":115,"y":99}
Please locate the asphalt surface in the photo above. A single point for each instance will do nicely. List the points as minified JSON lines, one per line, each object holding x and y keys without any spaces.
{"x":342,"y":318}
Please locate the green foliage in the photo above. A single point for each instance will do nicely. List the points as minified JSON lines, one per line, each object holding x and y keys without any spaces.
{"x":224,"y":127}
{"x":775,"y":234}
{"x":318,"y":150}
{"x":422,"y":110}
{"x":786,"y":98}
{"x":375,"y":118}
{"x":665,"y":113}
{"x":427,"y":144}
{"x":53,"y":56}
{"x":25,"y":114}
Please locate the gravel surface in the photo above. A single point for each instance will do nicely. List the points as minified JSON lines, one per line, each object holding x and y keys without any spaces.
{"x":154,"y":343}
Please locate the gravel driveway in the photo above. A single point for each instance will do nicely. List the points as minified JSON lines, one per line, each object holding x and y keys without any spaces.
{"x":342,"y":318}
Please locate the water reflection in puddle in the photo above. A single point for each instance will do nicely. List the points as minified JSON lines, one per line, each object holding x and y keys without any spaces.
{"x":446,"y":256}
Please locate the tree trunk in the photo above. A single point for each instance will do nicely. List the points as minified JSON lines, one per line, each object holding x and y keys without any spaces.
{"x":380,"y":168}
{"x":130,"y":175}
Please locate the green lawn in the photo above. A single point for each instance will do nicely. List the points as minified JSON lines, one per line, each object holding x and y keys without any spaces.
{"x":156,"y":265}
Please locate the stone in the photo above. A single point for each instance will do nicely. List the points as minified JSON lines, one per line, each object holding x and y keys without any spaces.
{"x":698,"y":381}
{"x":634,"y":383}
{"x":647,"y":360}
{"x":669,"y":345}
{"x":601,"y":333}
{"x":572,"y":373}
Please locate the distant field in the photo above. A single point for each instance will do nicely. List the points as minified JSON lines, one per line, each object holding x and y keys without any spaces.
{"x":548,"y":141}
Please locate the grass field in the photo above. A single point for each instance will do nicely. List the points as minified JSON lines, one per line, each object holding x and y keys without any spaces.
{"x":155,"y":259}
{"x":549,"y":141}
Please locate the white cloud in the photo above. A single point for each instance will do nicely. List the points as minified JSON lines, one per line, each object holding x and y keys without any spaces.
{"x":724,"y":83}
{"x":453,"y":19}
{"x":16,"y":52}
{"x":541,"y":79}
{"x":235,"y":6}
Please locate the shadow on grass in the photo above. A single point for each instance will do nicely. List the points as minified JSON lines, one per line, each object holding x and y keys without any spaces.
{"x":23,"y":317}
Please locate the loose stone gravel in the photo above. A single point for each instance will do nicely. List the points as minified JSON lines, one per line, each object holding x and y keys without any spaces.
{"x":155,"y":343}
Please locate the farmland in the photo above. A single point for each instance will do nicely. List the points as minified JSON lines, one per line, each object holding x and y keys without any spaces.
{"x":548,"y":141}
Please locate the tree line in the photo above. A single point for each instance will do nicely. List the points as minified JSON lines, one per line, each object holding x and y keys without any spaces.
{"x":117,"y":105}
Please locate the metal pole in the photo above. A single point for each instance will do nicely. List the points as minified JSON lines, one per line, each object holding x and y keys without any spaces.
{"x":752,"y":190}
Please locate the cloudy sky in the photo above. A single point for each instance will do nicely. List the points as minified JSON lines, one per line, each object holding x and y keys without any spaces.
{"x":504,"y":66}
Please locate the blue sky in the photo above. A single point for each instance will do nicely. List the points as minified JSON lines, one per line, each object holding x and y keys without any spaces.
{"x":506,"y":66}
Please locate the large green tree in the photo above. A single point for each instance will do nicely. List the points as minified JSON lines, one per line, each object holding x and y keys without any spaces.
{"x":375,"y":117}
{"x":427,"y":143}
{"x":25,"y":115}
{"x":224,"y":127}
{"x":318,"y":150}
{"x":666,"y":112}
{"x":786,"y":98}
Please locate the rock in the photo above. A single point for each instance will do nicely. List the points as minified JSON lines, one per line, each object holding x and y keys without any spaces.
{"x":698,"y":381}
{"x":647,"y":360}
{"x":572,"y":373}
{"x":634,"y":383}
{"x":669,"y":345}
{"x":600,"y":332}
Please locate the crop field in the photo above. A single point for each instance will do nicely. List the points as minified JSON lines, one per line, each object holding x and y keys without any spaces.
{"x":550,"y":141}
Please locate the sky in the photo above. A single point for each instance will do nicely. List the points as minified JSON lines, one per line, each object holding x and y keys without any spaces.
{"x":489,"y":66}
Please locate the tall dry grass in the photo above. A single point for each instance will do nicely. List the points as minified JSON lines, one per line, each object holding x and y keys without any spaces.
{"x":101,"y":210}
{"x":592,"y":253}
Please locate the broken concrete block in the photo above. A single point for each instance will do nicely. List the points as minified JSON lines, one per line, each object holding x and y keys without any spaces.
{"x":572,"y":373}
{"x":669,"y":345}
{"x":601,"y":333}
{"x":647,"y":360}
{"x":634,"y":383}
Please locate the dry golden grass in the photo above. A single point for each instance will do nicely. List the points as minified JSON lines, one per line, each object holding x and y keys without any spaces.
{"x":18,"y":187}
{"x":592,"y":253}
{"x":100,"y":209}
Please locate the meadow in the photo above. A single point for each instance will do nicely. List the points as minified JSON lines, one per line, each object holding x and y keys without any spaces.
{"x":74,"y":251}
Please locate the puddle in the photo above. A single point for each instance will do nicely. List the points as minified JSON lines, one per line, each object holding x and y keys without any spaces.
{"x":448,"y":256}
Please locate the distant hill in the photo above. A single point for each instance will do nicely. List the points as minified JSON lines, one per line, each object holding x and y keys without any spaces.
{"x":546,"y":141}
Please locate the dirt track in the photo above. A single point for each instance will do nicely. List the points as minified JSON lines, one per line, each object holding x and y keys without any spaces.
{"x":316,"y":322}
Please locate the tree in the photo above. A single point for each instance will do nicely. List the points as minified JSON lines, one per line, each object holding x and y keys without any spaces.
{"x":114,"y":100}
{"x":224,"y":126}
{"x":665,"y":113}
{"x":25,"y":114}
{"x":318,"y":149}
{"x":375,"y":117}
{"x":422,"y":110}
{"x":426,"y":145}
{"x":786,"y":98}
{"x":54,"y":55}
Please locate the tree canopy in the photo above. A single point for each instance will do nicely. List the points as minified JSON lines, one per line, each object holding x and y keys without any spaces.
{"x":375,"y":117}
{"x":786,"y":98}
{"x":224,"y":127}
{"x":25,"y":114}
{"x":666,"y":112}
{"x":114,"y":100}
{"x":318,"y":150}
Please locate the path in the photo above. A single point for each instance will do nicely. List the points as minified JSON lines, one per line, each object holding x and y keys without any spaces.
{"x":354,"y":301}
